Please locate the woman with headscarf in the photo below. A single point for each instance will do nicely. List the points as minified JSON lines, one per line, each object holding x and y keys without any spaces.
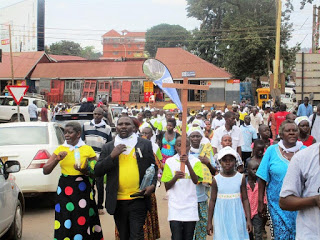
{"x":76,"y":213}
{"x":303,"y":124}
{"x":201,"y":149}
{"x":271,"y":172}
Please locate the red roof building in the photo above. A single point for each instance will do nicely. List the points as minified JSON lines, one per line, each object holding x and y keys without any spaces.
{"x":221,"y":89}
{"x":124,"y":45}
{"x":61,"y":58}
{"x":92,"y":70}
{"x":178,"y":60}
{"x":23,"y":65}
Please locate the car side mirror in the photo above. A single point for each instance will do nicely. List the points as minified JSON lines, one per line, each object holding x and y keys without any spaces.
{"x":12,"y":166}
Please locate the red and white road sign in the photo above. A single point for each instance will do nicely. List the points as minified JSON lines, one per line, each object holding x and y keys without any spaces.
{"x":17,"y":92}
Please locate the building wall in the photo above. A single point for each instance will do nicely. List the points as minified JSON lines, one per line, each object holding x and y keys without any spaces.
{"x":232,"y":92}
{"x":216,"y":91}
{"x":123,"y":47}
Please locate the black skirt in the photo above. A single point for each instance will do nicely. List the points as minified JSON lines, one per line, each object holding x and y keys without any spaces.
{"x":76,"y":212}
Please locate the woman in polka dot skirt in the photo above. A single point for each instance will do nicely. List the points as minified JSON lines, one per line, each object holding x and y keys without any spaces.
{"x":76,"y":213}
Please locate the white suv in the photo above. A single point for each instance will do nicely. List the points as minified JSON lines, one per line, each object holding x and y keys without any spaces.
{"x":9,"y":112}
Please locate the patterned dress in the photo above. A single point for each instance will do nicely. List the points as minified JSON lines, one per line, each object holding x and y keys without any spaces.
{"x":76,"y":212}
{"x":167,"y":149}
{"x":273,"y":169}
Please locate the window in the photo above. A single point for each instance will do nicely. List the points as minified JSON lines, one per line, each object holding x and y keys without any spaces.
{"x":24,"y":103}
{"x":115,"y":53}
{"x":40,"y":104}
{"x":115,"y":45}
{"x":60,"y":135}
{"x":129,"y":53}
{"x":21,"y":135}
{"x":264,"y":96}
{"x":101,"y":86}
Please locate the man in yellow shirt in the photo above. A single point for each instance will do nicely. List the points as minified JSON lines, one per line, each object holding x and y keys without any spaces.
{"x":125,"y":161}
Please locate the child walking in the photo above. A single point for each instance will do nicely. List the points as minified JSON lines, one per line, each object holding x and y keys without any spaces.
{"x":258,"y":222}
{"x":229,"y":205}
{"x":181,"y":187}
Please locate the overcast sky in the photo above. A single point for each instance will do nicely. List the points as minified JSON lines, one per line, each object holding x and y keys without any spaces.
{"x":85,"y":21}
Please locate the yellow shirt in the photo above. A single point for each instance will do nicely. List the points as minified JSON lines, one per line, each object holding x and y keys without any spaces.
{"x":67,"y":164}
{"x":128,"y":175}
{"x":242,"y":115}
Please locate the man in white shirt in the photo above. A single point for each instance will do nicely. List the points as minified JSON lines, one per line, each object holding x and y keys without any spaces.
{"x":315,"y":124}
{"x":217,"y":121}
{"x":230,"y":129}
{"x":256,"y":119}
{"x":33,"y":111}
{"x":300,"y":192}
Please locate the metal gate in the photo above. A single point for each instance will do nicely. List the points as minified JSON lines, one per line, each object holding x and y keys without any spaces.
{"x":125,"y":93}
{"x":89,"y":88}
{"x":116,"y":90}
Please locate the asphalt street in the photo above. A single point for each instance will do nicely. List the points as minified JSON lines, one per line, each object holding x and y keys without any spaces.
{"x":38,"y":220}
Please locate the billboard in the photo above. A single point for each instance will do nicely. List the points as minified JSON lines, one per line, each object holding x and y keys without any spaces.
{"x":26,"y":19}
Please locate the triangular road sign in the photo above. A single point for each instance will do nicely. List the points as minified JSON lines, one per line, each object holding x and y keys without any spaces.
{"x":17,"y":92}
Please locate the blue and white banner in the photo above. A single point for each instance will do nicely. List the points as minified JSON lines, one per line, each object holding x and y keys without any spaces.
{"x":171,"y":92}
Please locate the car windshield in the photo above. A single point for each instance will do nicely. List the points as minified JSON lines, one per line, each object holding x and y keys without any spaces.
{"x":27,"y":135}
{"x":117,"y":110}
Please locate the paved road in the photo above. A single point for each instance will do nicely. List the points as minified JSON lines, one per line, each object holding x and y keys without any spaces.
{"x":39,"y":219}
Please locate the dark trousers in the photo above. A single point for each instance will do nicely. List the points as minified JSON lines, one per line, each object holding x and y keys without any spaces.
{"x":33,"y":119}
{"x":182,"y":230}
{"x":129,"y":217}
{"x":258,"y":225}
{"x":100,"y":190}
{"x":245,"y":156}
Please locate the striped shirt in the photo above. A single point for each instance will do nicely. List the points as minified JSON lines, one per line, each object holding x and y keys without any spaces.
{"x":96,"y":136}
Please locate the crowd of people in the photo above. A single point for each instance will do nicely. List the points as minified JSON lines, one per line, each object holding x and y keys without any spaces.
{"x":245,"y":168}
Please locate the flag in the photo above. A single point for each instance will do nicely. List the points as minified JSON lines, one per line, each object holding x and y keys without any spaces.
{"x":171,"y":92}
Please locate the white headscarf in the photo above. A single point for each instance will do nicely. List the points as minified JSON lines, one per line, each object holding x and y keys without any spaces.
{"x":298,"y":120}
{"x":195,"y":129}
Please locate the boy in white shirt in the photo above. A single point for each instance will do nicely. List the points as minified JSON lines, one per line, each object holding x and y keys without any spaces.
{"x":181,"y":187}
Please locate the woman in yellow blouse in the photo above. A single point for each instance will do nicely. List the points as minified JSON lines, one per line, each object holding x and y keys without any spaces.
{"x":76,"y":213}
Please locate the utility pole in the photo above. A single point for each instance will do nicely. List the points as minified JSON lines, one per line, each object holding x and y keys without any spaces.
{"x":11,"y":58}
{"x":318,"y":28}
{"x":277,"y":54}
{"x":314,"y":20}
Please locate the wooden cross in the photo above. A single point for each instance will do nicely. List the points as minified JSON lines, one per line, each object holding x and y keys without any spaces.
{"x":185,"y":86}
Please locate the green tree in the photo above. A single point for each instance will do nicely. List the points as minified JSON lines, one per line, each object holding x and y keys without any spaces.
{"x":73,"y":49}
{"x":65,"y":48}
{"x":165,"y":35}
{"x":89,"y":53}
{"x":239,"y":35}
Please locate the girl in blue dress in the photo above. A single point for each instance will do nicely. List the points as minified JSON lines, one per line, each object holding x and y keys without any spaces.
{"x":229,"y":204}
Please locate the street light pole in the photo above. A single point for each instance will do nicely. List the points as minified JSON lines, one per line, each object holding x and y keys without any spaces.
{"x":277,"y":54}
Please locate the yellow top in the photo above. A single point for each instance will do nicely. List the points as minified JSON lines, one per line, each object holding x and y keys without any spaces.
{"x":67,"y":164}
{"x":128,"y":175}
{"x":242,"y":115}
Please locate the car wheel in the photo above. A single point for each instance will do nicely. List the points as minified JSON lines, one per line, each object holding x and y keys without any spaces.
{"x":15,"y":231}
{"x":15,"y":118}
